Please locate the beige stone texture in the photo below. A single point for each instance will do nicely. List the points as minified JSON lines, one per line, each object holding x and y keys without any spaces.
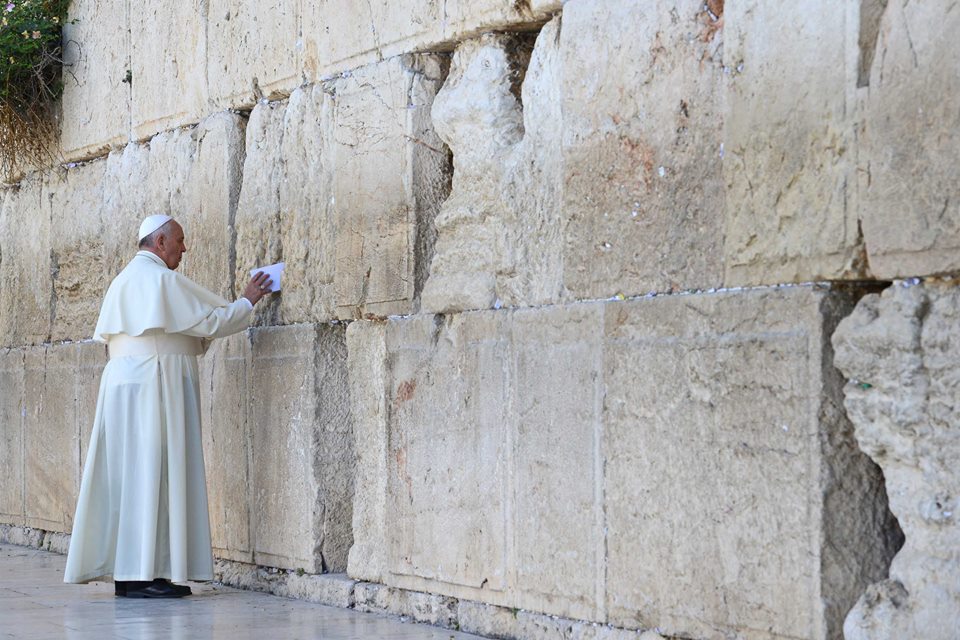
{"x":11,"y":435}
{"x":722,"y":417}
{"x":899,"y":350}
{"x":498,"y":236}
{"x":124,"y":203}
{"x":308,"y":225}
{"x":677,"y":462}
{"x":251,"y":51}
{"x":367,"y":378}
{"x":341,"y":34}
{"x":168,"y":49}
{"x":51,"y":437}
{"x":257,"y":219}
{"x":429,"y":608}
{"x":389,"y":178}
{"x":333,"y":589}
{"x":642,"y":109}
{"x":25,"y":279}
{"x":92,"y":358}
{"x":224,"y":370}
{"x":74,"y":198}
{"x":302,"y":444}
{"x":911,"y":145}
{"x":96,"y":100}
{"x":789,"y":162}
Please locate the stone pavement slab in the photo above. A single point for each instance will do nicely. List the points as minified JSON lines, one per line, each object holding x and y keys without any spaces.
{"x":36,"y":604}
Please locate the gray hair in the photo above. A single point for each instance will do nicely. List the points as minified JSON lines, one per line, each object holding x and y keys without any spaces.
{"x":151,"y":240}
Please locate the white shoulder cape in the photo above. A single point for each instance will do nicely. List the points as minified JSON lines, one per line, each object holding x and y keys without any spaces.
{"x":148,"y":295}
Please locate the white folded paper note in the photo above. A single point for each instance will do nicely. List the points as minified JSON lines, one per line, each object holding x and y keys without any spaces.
{"x":274,"y":272}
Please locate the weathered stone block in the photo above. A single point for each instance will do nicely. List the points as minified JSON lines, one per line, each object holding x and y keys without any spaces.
{"x":389,"y":178}
{"x":630,"y":462}
{"x":226,"y":445}
{"x":74,"y":200}
{"x":96,"y":89}
{"x":125,"y":201}
{"x":251,"y":51}
{"x":302,"y":460}
{"x":911,"y":144}
{"x":25,"y":279}
{"x":51,"y":437}
{"x":900,"y":351}
{"x":168,"y":48}
{"x":11,"y":435}
{"x":789,"y":143}
{"x":92,"y":358}
{"x":340,"y":34}
{"x":499,"y":234}
{"x":642,"y":133}
{"x":257,"y":219}
{"x":721,"y":419}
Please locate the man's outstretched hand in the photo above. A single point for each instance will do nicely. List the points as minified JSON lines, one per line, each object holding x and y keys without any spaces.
{"x":258,"y":287}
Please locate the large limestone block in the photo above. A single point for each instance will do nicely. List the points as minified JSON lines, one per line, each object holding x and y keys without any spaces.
{"x":642,"y":135}
{"x":900,"y":351}
{"x":389,"y":178}
{"x":678,"y":462}
{"x":96,"y":88}
{"x":25,"y":268}
{"x":302,"y":439}
{"x":736,"y":500}
{"x":340,"y":34}
{"x":911,"y":144}
{"x":499,"y":232}
{"x":51,"y":437}
{"x":168,"y":48}
{"x":124,"y":203}
{"x":11,"y":435}
{"x":789,"y":161}
{"x":78,"y":250}
{"x":308,"y":225}
{"x":257,"y":218}
{"x":226,"y":445}
{"x":91,"y":361}
{"x":251,"y":51}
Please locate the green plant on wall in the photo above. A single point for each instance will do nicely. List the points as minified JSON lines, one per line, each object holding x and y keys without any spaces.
{"x":30,"y":81}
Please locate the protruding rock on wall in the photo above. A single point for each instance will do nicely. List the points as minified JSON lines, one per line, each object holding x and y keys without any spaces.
{"x":900,"y":351}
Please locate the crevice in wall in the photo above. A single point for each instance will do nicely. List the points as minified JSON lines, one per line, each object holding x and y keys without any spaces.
{"x":871,"y":13}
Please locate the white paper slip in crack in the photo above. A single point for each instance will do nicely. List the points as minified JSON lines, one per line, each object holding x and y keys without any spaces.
{"x":273,"y":271}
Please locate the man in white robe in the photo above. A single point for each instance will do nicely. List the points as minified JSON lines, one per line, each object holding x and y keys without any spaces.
{"x":142,"y":510}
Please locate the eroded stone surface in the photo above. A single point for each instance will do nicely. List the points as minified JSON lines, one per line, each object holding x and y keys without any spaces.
{"x":301,"y":435}
{"x":789,"y":143}
{"x":11,"y":435}
{"x":712,"y":485}
{"x":900,"y":350}
{"x":25,"y":267}
{"x":167,"y":56}
{"x":335,"y":590}
{"x":389,"y":178}
{"x":96,"y":92}
{"x":51,"y":437}
{"x":911,"y":145}
{"x":226,"y":445}
{"x":642,"y":131}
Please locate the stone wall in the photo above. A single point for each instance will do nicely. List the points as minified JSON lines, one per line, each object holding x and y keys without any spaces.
{"x":555,"y":332}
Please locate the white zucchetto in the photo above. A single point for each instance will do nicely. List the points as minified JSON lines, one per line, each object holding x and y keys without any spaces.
{"x":151,"y":224}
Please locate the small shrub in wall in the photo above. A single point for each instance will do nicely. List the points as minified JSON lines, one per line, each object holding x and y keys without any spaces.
{"x":30,"y":82}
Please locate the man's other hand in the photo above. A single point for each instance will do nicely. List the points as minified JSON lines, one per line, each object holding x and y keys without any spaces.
{"x":258,"y":287}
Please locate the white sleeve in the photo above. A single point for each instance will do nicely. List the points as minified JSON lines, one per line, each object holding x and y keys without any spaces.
{"x":223,"y":321}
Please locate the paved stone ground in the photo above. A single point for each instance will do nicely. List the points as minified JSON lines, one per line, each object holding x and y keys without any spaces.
{"x":36,"y":604}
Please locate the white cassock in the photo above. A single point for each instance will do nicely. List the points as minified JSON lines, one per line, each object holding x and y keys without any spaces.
{"x":142,"y":509}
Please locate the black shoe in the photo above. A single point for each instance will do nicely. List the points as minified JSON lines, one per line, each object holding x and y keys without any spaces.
{"x":183,"y":590}
{"x":156,"y":589}
{"x":120,"y":587}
